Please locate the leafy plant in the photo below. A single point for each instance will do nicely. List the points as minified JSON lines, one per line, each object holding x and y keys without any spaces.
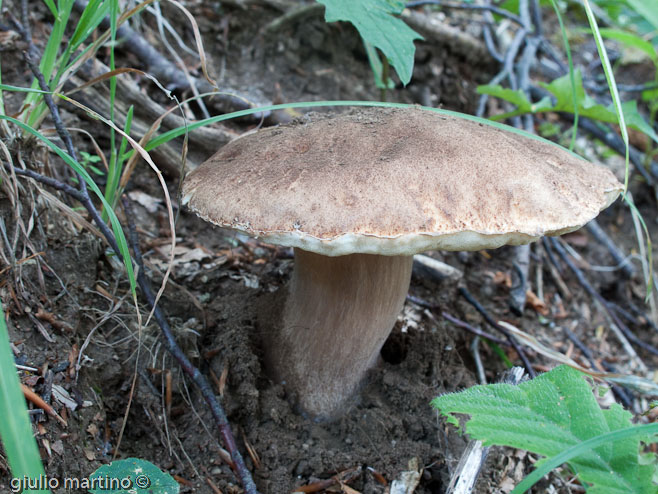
{"x":551,"y":414}
{"x":375,"y":21}
{"x":133,"y":476}
{"x":561,"y":89}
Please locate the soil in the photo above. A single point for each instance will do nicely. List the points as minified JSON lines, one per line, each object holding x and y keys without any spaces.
{"x":70,"y":303}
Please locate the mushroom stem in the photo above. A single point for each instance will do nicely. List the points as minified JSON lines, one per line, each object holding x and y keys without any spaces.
{"x":339,"y":312}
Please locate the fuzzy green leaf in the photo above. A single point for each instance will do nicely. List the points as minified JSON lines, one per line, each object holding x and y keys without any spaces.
{"x":549,"y":414}
{"x":375,"y":21}
{"x":132,"y":476}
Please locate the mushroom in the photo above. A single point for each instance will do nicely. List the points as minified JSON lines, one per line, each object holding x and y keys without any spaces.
{"x":357,"y":195}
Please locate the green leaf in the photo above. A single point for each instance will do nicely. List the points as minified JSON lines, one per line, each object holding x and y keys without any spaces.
{"x":640,"y":431}
{"x":377,"y":67}
{"x":375,"y":21}
{"x":549,"y":414}
{"x":632,"y":40}
{"x":15,"y":429}
{"x":612,"y":85}
{"x":563,"y":91}
{"x":134,"y":476}
{"x":588,"y":107}
{"x":647,"y":9}
{"x":516,"y":97}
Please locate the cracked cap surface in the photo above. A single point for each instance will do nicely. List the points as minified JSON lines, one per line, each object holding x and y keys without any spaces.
{"x":396,"y":182}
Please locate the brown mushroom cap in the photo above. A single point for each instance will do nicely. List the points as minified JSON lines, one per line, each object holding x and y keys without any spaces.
{"x":396,"y":182}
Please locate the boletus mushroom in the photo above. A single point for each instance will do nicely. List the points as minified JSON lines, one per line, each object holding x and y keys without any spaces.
{"x":357,"y":195}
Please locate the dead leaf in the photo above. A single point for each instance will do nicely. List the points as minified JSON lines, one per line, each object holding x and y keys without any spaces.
{"x":536,"y":303}
{"x":408,"y":480}
{"x":61,"y":395}
{"x":502,"y":278}
{"x":149,"y":203}
{"x":58,"y":447}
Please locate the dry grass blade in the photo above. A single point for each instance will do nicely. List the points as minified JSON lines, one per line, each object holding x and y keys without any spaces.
{"x":638,"y":383}
{"x":212,"y":486}
{"x":73,"y":215}
{"x":197,"y":39}
{"x":116,"y":72}
{"x":340,"y":478}
{"x":252,"y":452}
{"x":21,"y":261}
{"x":222,"y":380}
{"x":97,"y":148}
{"x":145,"y":155}
{"x":179,"y":60}
{"x":647,"y":270}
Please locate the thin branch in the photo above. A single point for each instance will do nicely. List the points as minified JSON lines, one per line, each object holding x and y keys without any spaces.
{"x":52,"y":182}
{"x":490,"y":320}
{"x":170,"y":342}
{"x":620,"y":258}
{"x":474,"y":330}
{"x":582,"y":279}
{"x":165,"y":71}
{"x":189,"y":369}
{"x":82,"y":195}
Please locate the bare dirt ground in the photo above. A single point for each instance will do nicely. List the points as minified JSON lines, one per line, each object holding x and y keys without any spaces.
{"x":71,"y":304}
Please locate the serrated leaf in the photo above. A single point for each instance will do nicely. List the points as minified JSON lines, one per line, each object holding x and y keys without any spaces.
{"x":375,"y":21}
{"x":134,"y":476}
{"x":549,"y":414}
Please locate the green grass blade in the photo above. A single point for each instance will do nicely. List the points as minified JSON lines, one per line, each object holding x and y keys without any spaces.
{"x":376,"y":67}
{"x":640,"y":431}
{"x":114,"y":174}
{"x":15,"y":429}
{"x":114,"y":170}
{"x":612,"y":85}
{"x":91,"y":17}
{"x":20,"y":89}
{"x":631,"y":40}
{"x":116,"y":225}
{"x":179,"y":131}
{"x":51,"y":5}
{"x":34,"y":102}
{"x":89,"y":20}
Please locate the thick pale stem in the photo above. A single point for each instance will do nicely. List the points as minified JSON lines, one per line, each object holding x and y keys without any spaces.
{"x":339,"y":312}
